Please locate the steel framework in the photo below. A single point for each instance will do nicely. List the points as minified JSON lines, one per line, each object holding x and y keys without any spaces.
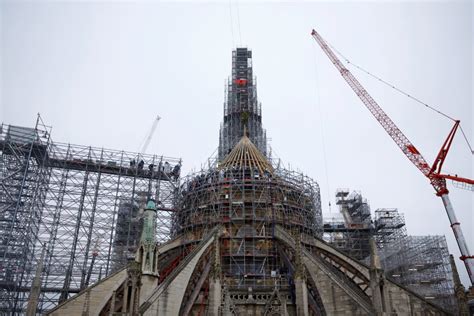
{"x":420,"y":263}
{"x":350,"y":232}
{"x":81,"y":203}
{"x":389,"y":225}
{"x":248,"y":204}
{"x":241,"y":106}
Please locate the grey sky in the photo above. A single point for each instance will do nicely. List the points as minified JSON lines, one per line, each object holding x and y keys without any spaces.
{"x":99,"y":73}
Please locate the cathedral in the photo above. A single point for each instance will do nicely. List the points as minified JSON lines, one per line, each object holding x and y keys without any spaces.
{"x":246,"y":239}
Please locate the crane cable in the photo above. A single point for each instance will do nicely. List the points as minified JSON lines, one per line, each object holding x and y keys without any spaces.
{"x":231,"y":23}
{"x":238,"y":23}
{"x":404,"y":93}
{"x":323,"y":141}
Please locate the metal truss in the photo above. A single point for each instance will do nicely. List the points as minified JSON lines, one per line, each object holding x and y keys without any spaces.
{"x":83,"y":204}
{"x":421,"y":263}
{"x":248,"y":205}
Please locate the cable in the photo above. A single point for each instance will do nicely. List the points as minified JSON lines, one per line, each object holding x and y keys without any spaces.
{"x":238,"y":23}
{"x":465,"y":137}
{"x":231,"y":23}
{"x":402,"y":92}
{"x":318,"y":105}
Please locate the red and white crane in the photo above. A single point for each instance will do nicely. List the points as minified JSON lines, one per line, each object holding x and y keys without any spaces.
{"x":433,"y":173}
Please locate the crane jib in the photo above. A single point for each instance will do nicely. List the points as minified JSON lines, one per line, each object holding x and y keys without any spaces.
{"x":437,"y":180}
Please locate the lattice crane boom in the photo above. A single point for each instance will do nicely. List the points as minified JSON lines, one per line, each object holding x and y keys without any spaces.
{"x":433,"y":173}
{"x":150,"y":135}
{"x":397,"y":135}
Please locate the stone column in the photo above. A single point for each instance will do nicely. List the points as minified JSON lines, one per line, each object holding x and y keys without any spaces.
{"x":125,"y":296}
{"x":301,"y":289}
{"x":284,"y":310}
{"x":376,"y":279}
{"x":459,"y":290}
{"x":215,"y":293}
{"x":133,"y":286}
{"x":112,"y":304}
{"x":215,"y":286}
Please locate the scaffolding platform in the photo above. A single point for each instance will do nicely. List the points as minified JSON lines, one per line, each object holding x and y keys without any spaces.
{"x":76,"y":200}
{"x":420,"y":263}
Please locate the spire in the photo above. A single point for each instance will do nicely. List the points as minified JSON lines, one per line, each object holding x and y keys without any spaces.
{"x":147,"y":252}
{"x":241,"y":107}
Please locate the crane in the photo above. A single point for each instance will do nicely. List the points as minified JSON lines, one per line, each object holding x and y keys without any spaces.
{"x":150,"y":135}
{"x":433,"y":172}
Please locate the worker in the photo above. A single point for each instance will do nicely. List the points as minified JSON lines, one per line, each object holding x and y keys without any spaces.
{"x":141,"y":164}
{"x":176,"y":171}
{"x":167,"y":168}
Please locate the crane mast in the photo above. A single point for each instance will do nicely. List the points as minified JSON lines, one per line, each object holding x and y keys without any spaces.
{"x":433,"y":173}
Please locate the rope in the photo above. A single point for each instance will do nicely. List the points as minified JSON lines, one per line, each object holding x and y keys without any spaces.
{"x":402,"y":92}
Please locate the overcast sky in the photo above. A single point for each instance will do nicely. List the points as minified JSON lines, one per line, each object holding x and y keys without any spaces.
{"x":100,"y":72}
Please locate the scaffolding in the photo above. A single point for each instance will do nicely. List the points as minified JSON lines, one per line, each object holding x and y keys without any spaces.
{"x":82,"y":203}
{"x":421,"y":263}
{"x":389,"y":227}
{"x":247,"y":193}
{"x":248,"y":203}
{"x":23,"y":194}
{"x":241,"y":106}
{"x":351,"y":231}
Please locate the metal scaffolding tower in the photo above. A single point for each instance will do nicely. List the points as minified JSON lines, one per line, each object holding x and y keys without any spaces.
{"x":350,"y":232}
{"x":421,"y":263}
{"x":241,"y":106}
{"x":248,"y":204}
{"x":82,"y":203}
{"x":389,"y":227}
{"x":24,"y":187}
{"x":246,"y":192}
